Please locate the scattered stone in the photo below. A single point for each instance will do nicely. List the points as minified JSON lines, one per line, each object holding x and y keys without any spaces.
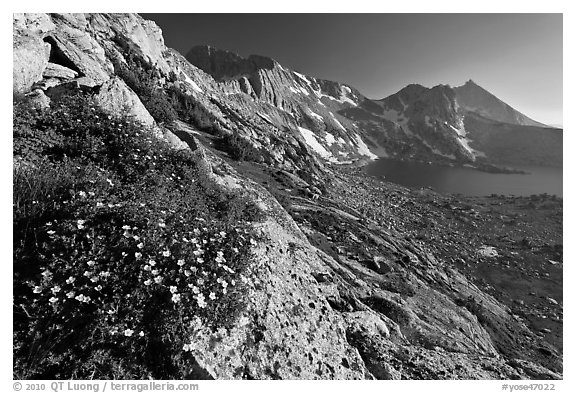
{"x":38,"y":99}
{"x":488,"y":251}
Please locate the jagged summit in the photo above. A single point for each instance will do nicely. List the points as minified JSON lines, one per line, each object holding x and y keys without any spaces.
{"x":224,"y":64}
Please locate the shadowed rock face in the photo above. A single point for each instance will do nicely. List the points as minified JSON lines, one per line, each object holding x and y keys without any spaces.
{"x":314,"y":313}
{"x":224,"y":65}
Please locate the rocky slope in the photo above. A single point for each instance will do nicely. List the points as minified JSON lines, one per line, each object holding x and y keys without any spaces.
{"x":337,"y":294}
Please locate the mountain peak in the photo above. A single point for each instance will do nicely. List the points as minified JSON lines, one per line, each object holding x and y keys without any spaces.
{"x":475,"y":98}
{"x":225,"y":64}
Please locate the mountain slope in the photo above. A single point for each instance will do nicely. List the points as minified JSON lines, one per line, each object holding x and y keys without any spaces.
{"x":474,"y":98}
{"x":292,"y":269}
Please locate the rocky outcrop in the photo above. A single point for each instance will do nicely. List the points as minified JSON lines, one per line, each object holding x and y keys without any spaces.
{"x":57,"y":71}
{"x":117,"y":98}
{"x":388,"y":309}
{"x":30,"y":58}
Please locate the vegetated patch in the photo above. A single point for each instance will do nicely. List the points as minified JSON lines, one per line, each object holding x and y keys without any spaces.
{"x":121,"y":245}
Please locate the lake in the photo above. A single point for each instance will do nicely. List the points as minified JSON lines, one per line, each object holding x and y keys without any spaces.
{"x":469,"y":181}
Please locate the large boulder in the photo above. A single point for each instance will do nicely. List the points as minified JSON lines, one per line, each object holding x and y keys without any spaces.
{"x":118,"y":99}
{"x":30,"y":58}
{"x":57,"y":71}
{"x":77,"y":50}
{"x":33,"y":23}
{"x":142,"y":37}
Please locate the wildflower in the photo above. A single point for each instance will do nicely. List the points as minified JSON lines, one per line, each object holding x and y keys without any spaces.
{"x":212,"y":296}
{"x":128,"y":332}
{"x":105,"y":274}
{"x":56,"y":289}
{"x":186,"y":348}
{"x":185,"y":240}
{"x":82,"y":194}
{"x":148,"y":282}
{"x":166,"y":253}
{"x":70,"y":294}
{"x":124,"y":254}
{"x":98,"y":288}
{"x":51,"y":232}
{"x":194,"y":288}
{"x":181,"y":262}
{"x":138,"y":255}
{"x":94,"y":279}
{"x":90,"y":263}
{"x":141,"y":334}
{"x":70,"y":280}
{"x":126,"y":227}
{"x":152,"y":262}
{"x":187,"y":273}
{"x":80,"y":224}
{"x":235,"y":250}
{"x":53,"y":300}
{"x":139,"y":245}
{"x":224,"y":284}
{"x":176,"y":298}
{"x":147,"y":268}
{"x":80,"y":298}
{"x":155,"y":272}
{"x":158,"y":279}
{"x":87,"y":273}
{"x":161,"y":225}
{"x":223,"y":234}
{"x":173,"y":289}
{"x":136,"y":238}
{"x":200,"y":300}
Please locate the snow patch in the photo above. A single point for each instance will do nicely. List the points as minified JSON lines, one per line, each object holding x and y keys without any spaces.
{"x":303,"y":77}
{"x":337,"y":122}
{"x":329,"y":139}
{"x":363,"y":149}
{"x":193,"y":84}
{"x":316,"y":115}
{"x":312,"y":141}
{"x":265,"y":117}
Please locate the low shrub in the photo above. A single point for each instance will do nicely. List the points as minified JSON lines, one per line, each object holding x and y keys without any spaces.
{"x":121,"y":246}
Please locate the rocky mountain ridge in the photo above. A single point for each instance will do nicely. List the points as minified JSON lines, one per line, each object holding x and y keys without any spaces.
{"x":474,"y":98}
{"x":339,"y":294}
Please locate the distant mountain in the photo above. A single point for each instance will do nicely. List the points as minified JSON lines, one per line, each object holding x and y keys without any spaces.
{"x":474,"y":98}
{"x":341,"y":125}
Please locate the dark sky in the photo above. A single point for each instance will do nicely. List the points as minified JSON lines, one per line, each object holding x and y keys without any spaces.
{"x":517,"y":57}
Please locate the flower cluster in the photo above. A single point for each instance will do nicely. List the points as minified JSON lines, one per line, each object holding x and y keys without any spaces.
{"x":121,"y":244}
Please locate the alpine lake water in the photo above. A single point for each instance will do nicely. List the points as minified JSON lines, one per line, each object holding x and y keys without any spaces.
{"x":469,"y":181}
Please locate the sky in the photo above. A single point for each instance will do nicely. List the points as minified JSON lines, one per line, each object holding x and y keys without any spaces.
{"x":517,"y":57}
